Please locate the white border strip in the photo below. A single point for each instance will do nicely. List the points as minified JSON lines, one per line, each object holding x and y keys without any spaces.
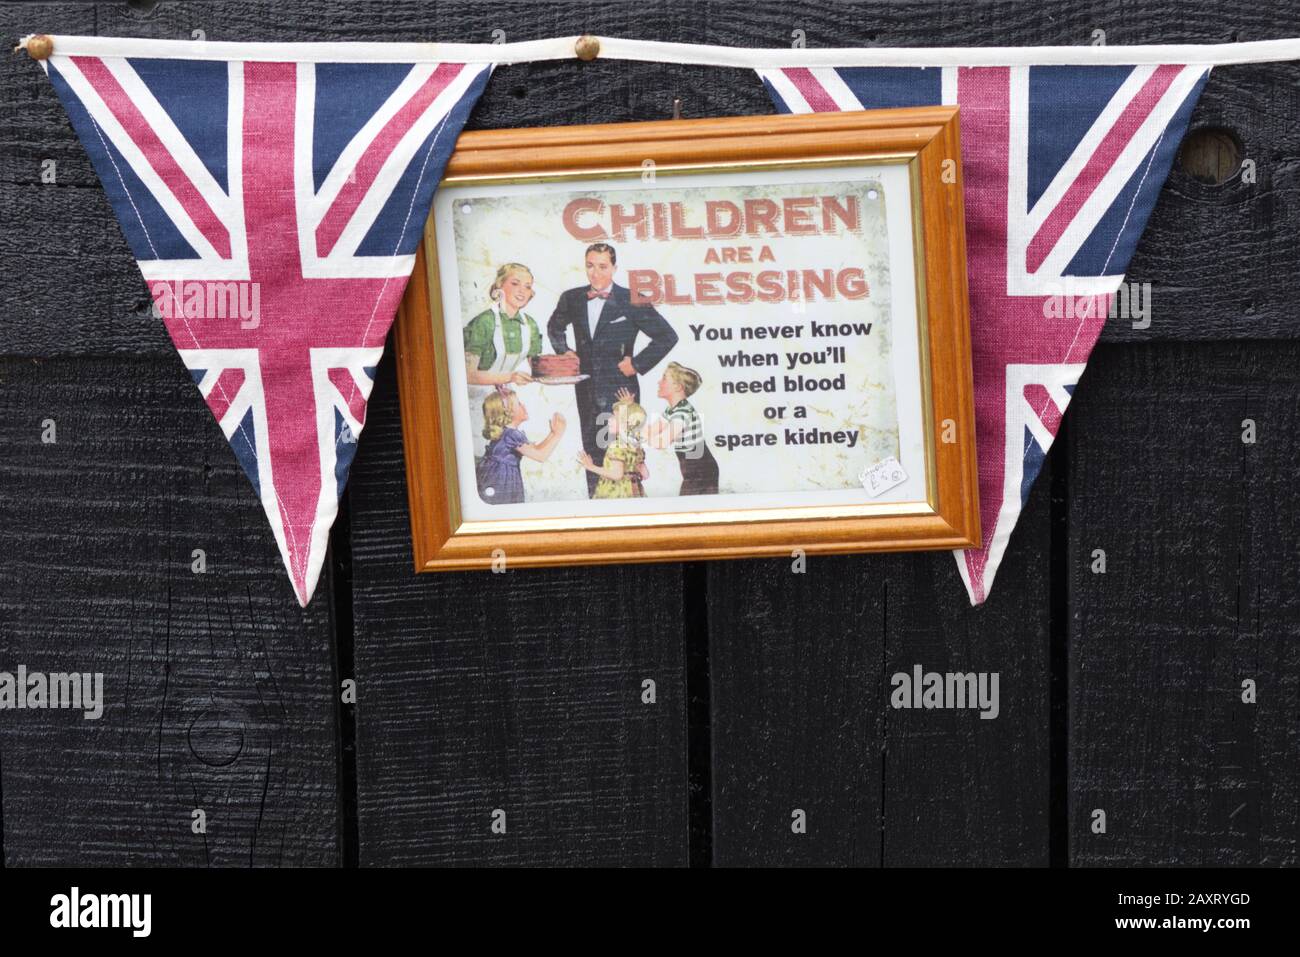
{"x":618,"y":48}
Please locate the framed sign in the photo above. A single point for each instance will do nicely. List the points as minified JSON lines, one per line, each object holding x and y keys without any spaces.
{"x":692,"y":339}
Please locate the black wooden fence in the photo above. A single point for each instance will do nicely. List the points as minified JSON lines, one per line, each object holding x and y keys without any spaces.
{"x":1119,"y":691}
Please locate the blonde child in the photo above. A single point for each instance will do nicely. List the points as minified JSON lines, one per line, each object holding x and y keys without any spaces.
{"x":682,"y":430}
{"x":500,"y":481}
{"x":623,"y":469}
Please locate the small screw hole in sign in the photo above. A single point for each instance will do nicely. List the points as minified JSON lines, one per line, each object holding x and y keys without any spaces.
{"x":883,"y":476}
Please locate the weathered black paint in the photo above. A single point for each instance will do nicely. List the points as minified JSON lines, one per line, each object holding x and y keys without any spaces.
{"x":523,"y":691}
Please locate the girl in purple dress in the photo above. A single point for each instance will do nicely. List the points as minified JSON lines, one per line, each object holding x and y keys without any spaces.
{"x":500,"y":482}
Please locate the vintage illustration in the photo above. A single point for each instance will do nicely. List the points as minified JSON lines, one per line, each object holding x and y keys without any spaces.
{"x":648,"y":341}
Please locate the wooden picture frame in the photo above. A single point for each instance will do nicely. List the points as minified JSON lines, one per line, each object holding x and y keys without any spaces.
{"x":921,"y":142}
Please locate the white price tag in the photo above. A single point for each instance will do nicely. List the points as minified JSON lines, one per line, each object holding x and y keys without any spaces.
{"x":883,"y":476}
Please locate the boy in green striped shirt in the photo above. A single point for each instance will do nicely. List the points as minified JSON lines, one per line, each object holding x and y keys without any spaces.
{"x":682,"y":430}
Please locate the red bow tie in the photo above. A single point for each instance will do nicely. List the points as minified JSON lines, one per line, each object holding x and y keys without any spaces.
{"x":597,"y":293}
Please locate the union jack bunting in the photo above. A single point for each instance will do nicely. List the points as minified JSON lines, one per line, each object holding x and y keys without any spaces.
{"x":274,"y":208}
{"x":1062,"y":167}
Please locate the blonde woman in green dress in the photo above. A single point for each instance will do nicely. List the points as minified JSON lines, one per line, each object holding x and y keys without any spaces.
{"x":497,"y":341}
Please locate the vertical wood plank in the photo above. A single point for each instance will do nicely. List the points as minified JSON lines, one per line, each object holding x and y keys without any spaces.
{"x":796,"y":684}
{"x":1199,"y":594}
{"x":218,"y":689}
{"x":962,"y":789}
{"x":520,"y":692}
{"x":801,"y":684}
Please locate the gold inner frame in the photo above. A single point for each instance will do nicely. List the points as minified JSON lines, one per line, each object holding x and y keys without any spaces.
{"x":928,"y":506}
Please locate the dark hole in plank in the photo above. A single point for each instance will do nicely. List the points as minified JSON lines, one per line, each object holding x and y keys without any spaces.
{"x":1210,"y":155}
{"x":142,"y":8}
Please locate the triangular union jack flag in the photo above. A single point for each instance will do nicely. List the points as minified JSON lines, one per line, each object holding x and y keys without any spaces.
{"x":274,"y":205}
{"x":1062,"y":167}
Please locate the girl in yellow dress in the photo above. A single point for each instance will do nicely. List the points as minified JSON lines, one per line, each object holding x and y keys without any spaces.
{"x":623,"y":470}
